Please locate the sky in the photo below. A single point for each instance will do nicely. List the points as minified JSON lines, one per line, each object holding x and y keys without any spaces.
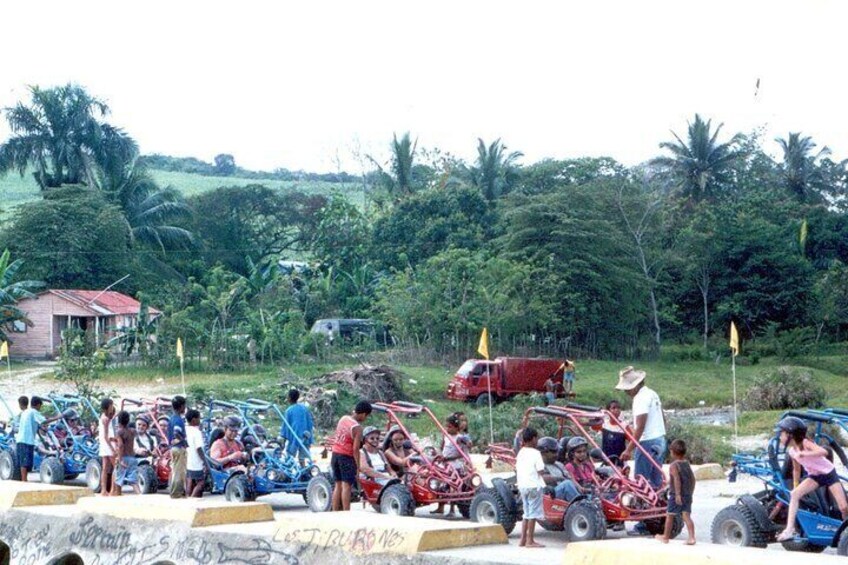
{"x":317,"y":85}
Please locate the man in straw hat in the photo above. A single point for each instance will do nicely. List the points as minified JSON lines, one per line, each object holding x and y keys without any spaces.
{"x":649,"y":425}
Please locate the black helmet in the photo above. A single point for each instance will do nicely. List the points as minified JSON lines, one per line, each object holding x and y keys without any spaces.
{"x":70,"y":414}
{"x":576,"y":442}
{"x":792,"y":425}
{"x":547,"y":444}
{"x":232,"y":422}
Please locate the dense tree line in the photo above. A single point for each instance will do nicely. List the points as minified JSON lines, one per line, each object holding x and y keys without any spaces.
{"x":581,"y":256}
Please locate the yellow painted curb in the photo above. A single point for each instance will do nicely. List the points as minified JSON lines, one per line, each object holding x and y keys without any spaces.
{"x":651,"y":552}
{"x":196,"y":512}
{"x":365,"y":533}
{"x":15,"y":494}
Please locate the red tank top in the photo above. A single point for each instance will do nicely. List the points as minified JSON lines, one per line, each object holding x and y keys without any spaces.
{"x":343,"y":444}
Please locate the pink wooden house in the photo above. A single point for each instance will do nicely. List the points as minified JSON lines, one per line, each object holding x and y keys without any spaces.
{"x":53,"y":311}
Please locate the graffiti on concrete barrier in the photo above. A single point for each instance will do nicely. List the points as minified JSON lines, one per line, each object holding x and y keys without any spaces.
{"x":99,"y":542}
{"x":361,"y":540}
{"x":259,"y":551}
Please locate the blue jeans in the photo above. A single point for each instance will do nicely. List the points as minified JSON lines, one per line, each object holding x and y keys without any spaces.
{"x":643,"y":466}
{"x":566,"y":490}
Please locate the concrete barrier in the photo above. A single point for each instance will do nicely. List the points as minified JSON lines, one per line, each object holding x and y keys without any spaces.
{"x":651,"y":552}
{"x":196,"y":512}
{"x":368,"y":533}
{"x":15,"y":494}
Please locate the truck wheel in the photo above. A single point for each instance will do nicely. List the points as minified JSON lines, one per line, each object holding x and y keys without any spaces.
{"x":93,"y":470}
{"x":584,"y":521}
{"x":9,"y":470}
{"x":319,"y":493}
{"x":483,"y":400}
{"x":736,"y":525}
{"x":52,"y":471}
{"x":397,"y":501}
{"x":148,"y":482}
{"x":239,"y":489}
{"x":487,"y":507}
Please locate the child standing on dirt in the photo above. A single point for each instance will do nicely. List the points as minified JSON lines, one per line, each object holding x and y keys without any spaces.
{"x":346,"y":449}
{"x":680,"y":493}
{"x":529,"y":467}
{"x":812,"y":458}
{"x":195,"y":462}
{"x":126,"y":465}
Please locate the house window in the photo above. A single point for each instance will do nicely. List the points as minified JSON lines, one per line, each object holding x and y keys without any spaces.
{"x":19,"y":327}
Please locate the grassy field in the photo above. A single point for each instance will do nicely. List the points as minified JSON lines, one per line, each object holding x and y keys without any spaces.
{"x":16,"y":190}
{"x":684,"y":384}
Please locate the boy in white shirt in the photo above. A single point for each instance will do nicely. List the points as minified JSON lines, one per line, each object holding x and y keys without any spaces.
{"x":529,"y":467}
{"x":195,"y":462}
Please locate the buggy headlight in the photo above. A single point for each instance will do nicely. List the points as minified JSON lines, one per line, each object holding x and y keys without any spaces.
{"x":314,"y":471}
{"x":476,"y":481}
{"x":434,"y":484}
{"x":272,"y":475}
{"x":628,"y":500}
{"x":78,"y":457}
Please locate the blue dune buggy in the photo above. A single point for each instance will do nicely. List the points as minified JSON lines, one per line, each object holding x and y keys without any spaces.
{"x":9,"y":469}
{"x":69,"y":447}
{"x":754,"y":520}
{"x":270,"y":469}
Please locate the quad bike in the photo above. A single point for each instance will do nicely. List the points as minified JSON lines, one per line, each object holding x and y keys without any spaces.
{"x":613,"y":498}
{"x":755,"y":520}
{"x":269,"y":468}
{"x":431,"y":479}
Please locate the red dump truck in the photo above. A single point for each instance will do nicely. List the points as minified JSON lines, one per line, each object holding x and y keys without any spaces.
{"x":509,"y":375}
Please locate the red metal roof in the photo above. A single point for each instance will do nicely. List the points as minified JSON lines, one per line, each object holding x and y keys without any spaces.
{"x":113,"y":301}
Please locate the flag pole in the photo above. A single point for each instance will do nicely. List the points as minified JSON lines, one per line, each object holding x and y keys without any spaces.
{"x":182,"y":375}
{"x":491,"y":423}
{"x":735,"y":409}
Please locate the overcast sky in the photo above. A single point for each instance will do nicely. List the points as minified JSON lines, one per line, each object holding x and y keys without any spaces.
{"x":286,"y":84}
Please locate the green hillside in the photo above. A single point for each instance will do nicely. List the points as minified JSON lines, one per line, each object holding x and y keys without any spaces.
{"x":16,"y":190}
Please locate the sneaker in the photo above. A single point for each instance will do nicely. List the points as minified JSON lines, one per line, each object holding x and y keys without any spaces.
{"x":639,"y":530}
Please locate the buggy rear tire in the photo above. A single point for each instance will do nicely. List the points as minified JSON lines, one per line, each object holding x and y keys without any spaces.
{"x":397,"y":501}
{"x":487,"y":507}
{"x":319,"y":493}
{"x":656,"y":526}
{"x":52,"y":471}
{"x":148,"y":482}
{"x":803,"y":546}
{"x":584,"y":521}
{"x":93,"y":470}
{"x":239,"y":489}
{"x":482,"y":401}
{"x":842,"y":544}
{"x":9,"y":470}
{"x":737,"y":526}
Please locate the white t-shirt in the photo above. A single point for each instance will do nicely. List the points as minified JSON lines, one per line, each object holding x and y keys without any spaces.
{"x":528,"y":465}
{"x":648,"y":402}
{"x":194,"y":437}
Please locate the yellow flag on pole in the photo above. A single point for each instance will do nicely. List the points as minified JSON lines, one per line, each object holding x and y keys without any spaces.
{"x":734,"y":339}
{"x":179,"y":349}
{"x":483,"y":348}
{"x":4,"y":350}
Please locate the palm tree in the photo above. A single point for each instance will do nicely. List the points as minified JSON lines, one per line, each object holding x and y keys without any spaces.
{"x":140,"y":336}
{"x":57,"y":135}
{"x":11,"y":291}
{"x":799,"y":170}
{"x":701,"y":166}
{"x":398,"y":181}
{"x":151,"y":212}
{"x":495,"y":170}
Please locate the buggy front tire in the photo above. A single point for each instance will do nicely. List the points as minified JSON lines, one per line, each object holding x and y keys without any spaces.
{"x":52,"y":471}
{"x":148,"y":482}
{"x":397,"y":501}
{"x":319,"y":493}
{"x":737,"y":526}
{"x":93,"y":470}
{"x":239,"y":489}
{"x":584,"y":521}
{"x":487,"y":507}
{"x":9,"y":470}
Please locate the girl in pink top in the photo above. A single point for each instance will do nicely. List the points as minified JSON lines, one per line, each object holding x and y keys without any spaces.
{"x":820,"y":471}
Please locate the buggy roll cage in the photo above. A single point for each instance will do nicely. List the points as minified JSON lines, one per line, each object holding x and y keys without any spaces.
{"x":253,"y":406}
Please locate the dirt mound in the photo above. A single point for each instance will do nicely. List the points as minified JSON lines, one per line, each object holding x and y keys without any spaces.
{"x":380,"y":383}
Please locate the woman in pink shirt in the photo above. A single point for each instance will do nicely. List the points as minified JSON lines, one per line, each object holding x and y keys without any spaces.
{"x":820,"y":471}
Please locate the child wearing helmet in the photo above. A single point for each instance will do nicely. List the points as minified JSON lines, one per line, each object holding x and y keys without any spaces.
{"x":579,"y":465}
{"x":812,"y":458}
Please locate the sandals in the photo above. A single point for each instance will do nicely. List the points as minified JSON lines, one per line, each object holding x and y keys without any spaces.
{"x":786,"y":535}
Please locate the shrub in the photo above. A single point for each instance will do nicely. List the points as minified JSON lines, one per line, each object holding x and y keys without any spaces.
{"x":700,"y":448}
{"x":784,"y":388}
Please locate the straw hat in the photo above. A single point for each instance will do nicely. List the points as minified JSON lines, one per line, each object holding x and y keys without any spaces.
{"x":629,"y":378}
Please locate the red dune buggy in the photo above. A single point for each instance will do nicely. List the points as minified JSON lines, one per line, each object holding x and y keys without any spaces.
{"x":615,"y":496}
{"x":429,"y":480}
{"x":154,"y":471}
